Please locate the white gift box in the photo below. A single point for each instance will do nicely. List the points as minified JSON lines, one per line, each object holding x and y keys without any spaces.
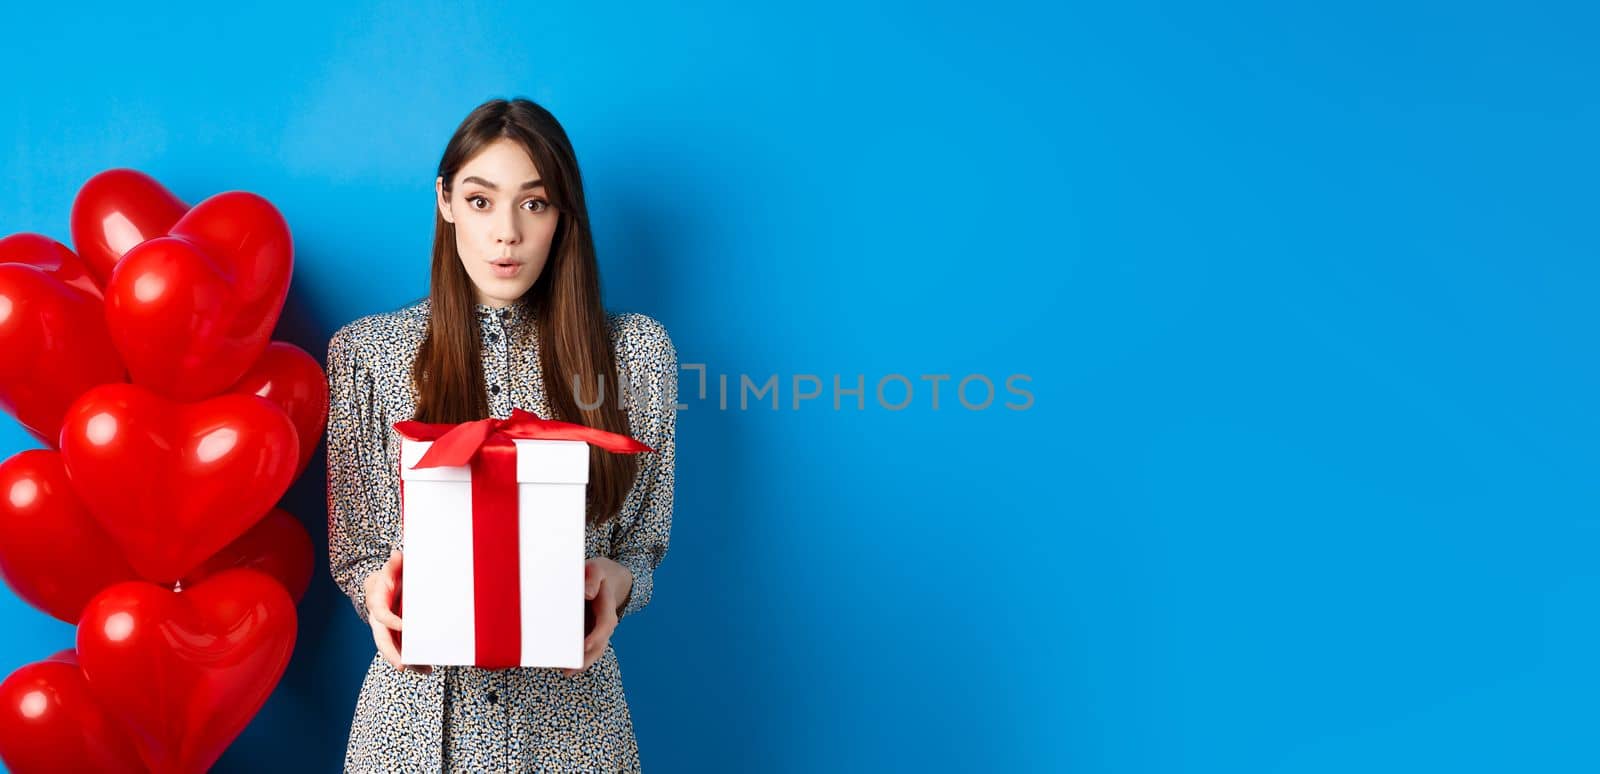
{"x":437,"y":575}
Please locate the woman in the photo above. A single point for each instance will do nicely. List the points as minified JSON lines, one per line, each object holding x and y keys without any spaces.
{"x":513,"y":319}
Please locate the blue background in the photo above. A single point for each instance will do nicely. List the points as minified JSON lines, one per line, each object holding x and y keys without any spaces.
{"x":1307,"y":300}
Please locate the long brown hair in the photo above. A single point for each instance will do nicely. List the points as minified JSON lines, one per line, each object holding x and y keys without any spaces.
{"x":574,"y":339}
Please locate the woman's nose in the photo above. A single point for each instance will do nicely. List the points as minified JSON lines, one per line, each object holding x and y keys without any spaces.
{"x":506,"y":229}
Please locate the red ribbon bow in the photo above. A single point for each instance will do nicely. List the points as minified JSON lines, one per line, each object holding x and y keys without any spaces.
{"x":488,"y":446}
{"x":458,"y":444}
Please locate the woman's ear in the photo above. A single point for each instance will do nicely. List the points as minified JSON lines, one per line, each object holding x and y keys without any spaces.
{"x":443,"y":201}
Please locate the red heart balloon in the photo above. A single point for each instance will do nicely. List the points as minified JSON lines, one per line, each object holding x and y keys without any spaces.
{"x":52,"y":259}
{"x":52,"y":333}
{"x":192,"y":311}
{"x":172,"y":483}
{"x":53,"y":554}
{"x":49,"y":721}
{"x":115,"y":211}
{"x":278,"y":545}
{"x":186,"y":670}
{"x":56,"y":557}
{"x":290,"y":377}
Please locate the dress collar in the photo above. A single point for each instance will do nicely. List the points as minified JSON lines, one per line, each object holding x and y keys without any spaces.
{"x":517,"y":314}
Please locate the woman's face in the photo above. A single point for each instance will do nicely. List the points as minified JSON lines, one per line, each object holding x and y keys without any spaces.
{"x":504,"y":222}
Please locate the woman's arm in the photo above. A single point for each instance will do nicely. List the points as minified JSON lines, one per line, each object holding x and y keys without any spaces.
{"x":644,"y":526}
{"x":362,"y":513}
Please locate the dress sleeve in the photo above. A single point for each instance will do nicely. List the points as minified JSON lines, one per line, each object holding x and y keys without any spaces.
{"x":362,"y":513}
{"x":644,"y":525}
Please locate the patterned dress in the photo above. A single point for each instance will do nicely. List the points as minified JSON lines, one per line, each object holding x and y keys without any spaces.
{"x":465,"y":718}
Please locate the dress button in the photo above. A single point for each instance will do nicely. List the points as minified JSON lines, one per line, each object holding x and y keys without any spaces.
{"x":494,"y":388}
{"x":493,"y":337}
{"x":493,"y":697}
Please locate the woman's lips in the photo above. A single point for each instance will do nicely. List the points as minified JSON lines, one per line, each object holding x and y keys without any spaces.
{"x":505,"y":269}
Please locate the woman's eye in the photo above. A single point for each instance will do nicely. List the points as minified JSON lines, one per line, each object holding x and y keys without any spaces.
{"x":540,"y":205}
{"x":473,"y":200}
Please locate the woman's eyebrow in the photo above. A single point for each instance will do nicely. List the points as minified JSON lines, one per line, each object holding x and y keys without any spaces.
{"x":534,"y":183}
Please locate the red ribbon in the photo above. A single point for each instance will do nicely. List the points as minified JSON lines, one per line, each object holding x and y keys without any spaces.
{"x":488,"y":446}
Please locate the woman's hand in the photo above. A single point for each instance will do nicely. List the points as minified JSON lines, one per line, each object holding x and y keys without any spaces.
{"x":382,"y":590}
{"x":608,"y":584}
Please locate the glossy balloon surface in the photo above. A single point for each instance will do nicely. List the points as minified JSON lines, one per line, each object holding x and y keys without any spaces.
{"x":172,"y":483}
